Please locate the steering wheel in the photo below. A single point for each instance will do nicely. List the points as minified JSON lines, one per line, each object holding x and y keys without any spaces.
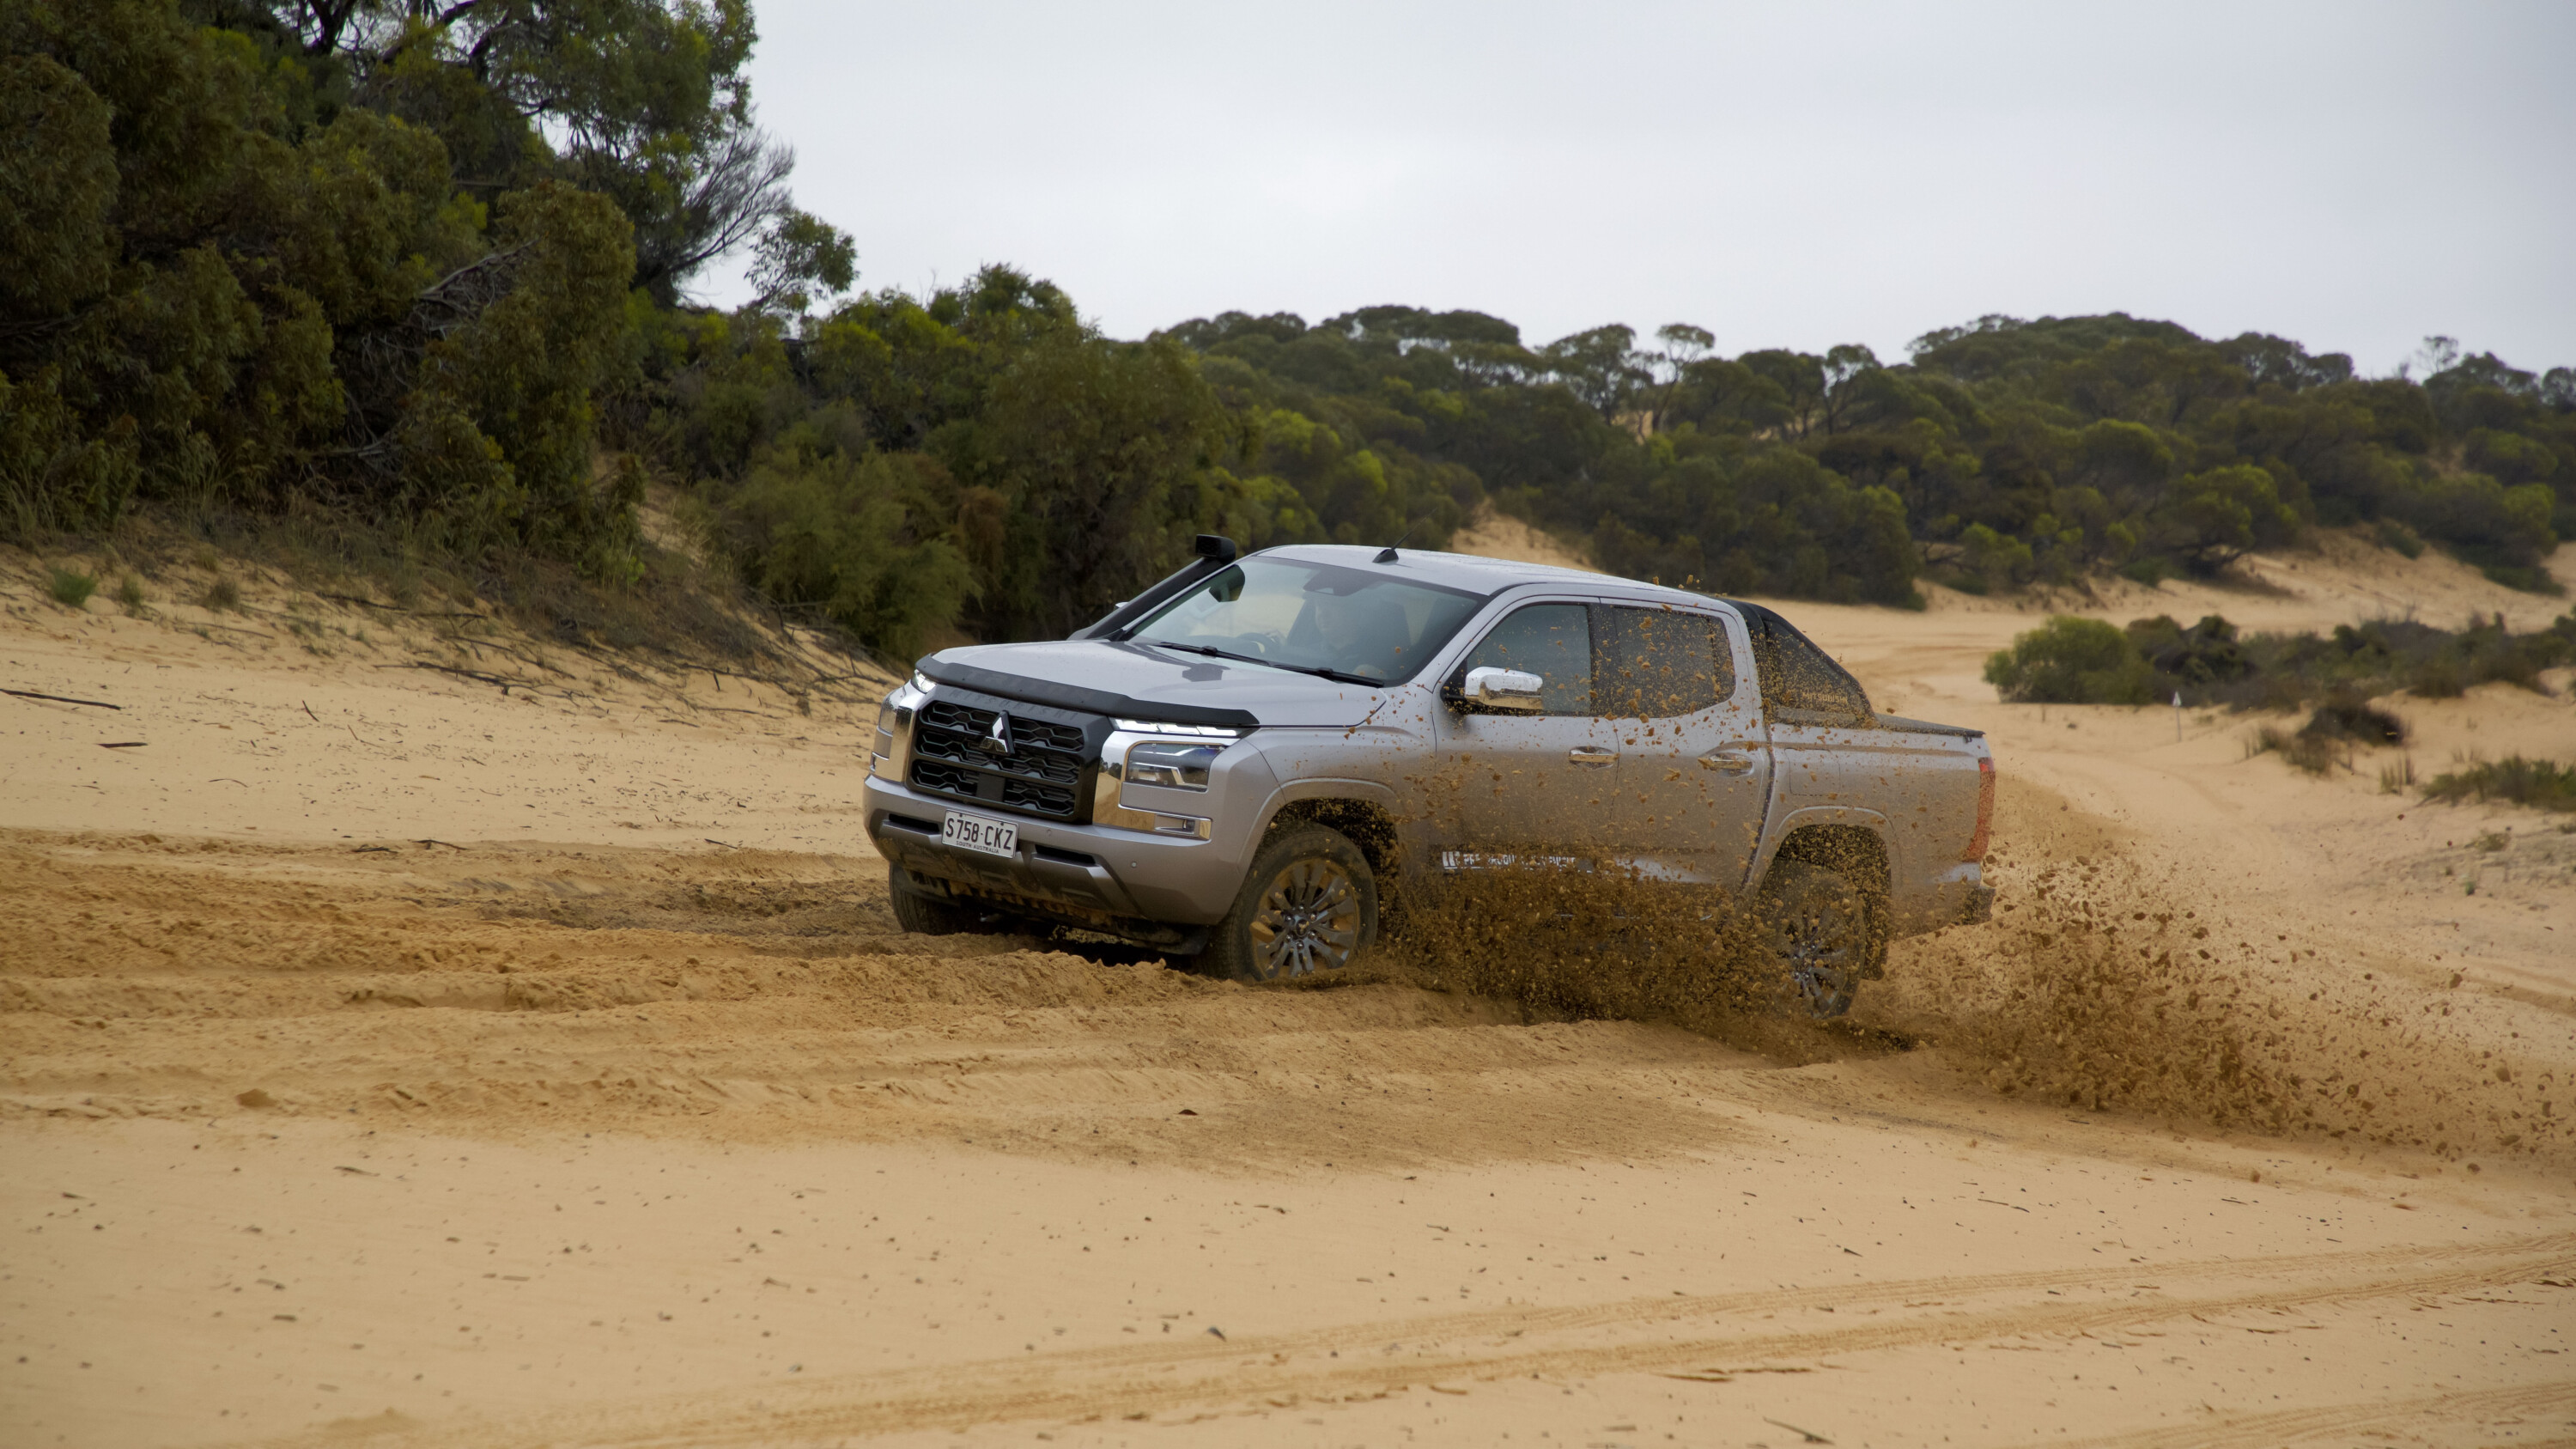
{"x":1263,"y":644}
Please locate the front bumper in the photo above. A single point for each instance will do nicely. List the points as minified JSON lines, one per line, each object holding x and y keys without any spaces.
{"x":1157,"y":888}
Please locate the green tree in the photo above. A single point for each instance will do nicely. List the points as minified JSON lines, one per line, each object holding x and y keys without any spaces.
{"x":1101,"y":456}
{"x":2215,"y":517}
{"x":644,"y":101}
{"x":860,"y":537}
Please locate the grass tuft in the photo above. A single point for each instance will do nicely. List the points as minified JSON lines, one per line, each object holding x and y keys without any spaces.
{"x":2399,"y":778}
{"x":2312,"y":753}
{"x":71,"y":588}
{"x":221,"y":594}
{"x":129,"y":592}
{"x":2540,"y":784}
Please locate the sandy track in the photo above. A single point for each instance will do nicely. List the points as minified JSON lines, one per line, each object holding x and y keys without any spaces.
{"x":1688,"y":1338}
{"x":594,"y":1132}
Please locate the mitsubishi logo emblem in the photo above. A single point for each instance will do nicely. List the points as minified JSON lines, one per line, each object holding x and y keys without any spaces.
{"x":997,"y":740}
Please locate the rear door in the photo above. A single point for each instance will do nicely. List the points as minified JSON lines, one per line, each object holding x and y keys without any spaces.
{"x":1522,"y":786}
{"x":1694,"y":772}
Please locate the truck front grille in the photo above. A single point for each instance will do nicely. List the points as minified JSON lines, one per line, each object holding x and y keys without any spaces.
{"x":956,"y":753}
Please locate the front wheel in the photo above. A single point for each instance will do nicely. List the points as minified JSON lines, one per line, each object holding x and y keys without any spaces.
{"x":1823,"y":938}
{"x":1308,"y":904}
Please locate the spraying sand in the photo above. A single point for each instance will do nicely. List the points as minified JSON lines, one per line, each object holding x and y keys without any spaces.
{"x":388,"y":1059}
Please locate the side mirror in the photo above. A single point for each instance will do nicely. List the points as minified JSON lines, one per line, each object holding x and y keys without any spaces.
{"x":1506,"y":691}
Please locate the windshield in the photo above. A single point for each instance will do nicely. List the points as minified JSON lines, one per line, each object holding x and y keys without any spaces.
{"x":1314,"y":616}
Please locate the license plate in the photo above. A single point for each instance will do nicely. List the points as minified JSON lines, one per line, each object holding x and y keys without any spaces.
{"x":974,"y":832}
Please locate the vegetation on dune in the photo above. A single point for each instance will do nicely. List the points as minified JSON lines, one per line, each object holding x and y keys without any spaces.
{"x":2542,"y":784}
{"x":361,"y":265}
{"x":2086,"y":661}
{"x":2072,"y":661}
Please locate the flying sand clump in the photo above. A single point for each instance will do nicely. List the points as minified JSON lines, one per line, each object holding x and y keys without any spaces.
{"x":2097,"y":987}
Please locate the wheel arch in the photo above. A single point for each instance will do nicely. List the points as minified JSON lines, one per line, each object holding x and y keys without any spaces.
{"x":1364,"y":814}
{"x":1850,"y":848}
{"x":1851,"y":843}
{"x":1368,"y":823}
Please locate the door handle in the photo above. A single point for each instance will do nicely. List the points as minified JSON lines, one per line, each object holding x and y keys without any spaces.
{"x":1727,"y":762}
{"x":1591,"y":755}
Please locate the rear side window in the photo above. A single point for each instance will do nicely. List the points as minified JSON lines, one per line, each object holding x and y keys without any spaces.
{"x":1796,"y":675}
{"x":1665,"y":662}
{"x":1552,"y":641}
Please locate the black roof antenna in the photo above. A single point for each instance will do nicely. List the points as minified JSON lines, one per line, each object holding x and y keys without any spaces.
{"x":1387,"y":554}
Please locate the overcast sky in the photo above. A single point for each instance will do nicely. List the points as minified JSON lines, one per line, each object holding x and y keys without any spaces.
{"x":2353,"y":176}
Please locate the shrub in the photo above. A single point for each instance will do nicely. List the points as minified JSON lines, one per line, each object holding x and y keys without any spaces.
{"x":2351,"y":719}
{"x":2437,"y":678}
{"x":221,"y":594}
{"x":129,"y":592}
{"x":2312,"y":753}
{"x":71,"y":588}
{"x":2072,"y":661}
{"x":2206,"y":653}
{"x":2541,"y":784}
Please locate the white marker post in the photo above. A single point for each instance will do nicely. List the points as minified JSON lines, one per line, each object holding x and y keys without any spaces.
{"x":2177,"y":716}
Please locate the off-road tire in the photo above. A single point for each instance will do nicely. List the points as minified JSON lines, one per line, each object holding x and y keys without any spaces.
{"x":925,"y":915}
{"x":1823,"y":936}
{"x":1308,"y":903}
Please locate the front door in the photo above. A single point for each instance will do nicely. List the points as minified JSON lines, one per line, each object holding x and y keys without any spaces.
{"x":1510,"y":787}
{"x":1695,"y":770}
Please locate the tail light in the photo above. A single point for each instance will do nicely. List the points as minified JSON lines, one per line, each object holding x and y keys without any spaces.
{"x":1985,"y":810}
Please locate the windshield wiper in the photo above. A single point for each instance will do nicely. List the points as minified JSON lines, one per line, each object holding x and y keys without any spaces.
{"x":1319,"y":671}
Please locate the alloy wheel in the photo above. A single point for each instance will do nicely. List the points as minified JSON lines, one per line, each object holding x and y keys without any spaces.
{"x":1309,"y":920}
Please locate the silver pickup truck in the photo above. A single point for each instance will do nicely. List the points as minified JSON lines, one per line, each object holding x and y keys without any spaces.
{"x":1255,"y":759}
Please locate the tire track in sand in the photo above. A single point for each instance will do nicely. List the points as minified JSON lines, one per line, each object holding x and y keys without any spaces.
{"x":1147,"y":1380}
{"x":2291,"y":1426}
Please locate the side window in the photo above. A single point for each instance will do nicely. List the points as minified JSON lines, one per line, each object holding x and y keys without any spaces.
{"x":1795,"y":673}
{"x":1667,"y":662}
{"x":1552,"y":641}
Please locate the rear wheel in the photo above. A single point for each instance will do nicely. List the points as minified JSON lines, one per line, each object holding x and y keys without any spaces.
{"x":926,"y":915}
{"x":1308,"y":904}
{"x":1823,"y":936}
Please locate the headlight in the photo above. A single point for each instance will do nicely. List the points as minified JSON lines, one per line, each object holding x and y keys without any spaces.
{"x":890,"y":754}
{"x":1173,"y":765}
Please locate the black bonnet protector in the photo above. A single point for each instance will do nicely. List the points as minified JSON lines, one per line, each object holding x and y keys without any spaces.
{"x":1074,"y":696}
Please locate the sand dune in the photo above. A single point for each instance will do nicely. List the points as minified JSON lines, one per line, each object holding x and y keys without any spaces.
{"x":576,"y":1126}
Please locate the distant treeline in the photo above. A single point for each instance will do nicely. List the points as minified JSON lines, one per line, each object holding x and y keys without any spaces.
{"x":2003,"y":453}
{"x":426,"y":267}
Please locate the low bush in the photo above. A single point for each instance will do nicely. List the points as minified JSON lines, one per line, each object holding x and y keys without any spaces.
{"x":2350,"y":719}
{"x":2312,"y":753}
{"x":2072,"y":661}
{"x":71,"y":588}
{"x":2206,"y":653}
{"x":2540,"y":784}
{"x":2210,"y":663}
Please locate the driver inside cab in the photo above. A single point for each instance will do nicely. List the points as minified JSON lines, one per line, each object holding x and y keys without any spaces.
{"x":1363,"y":632}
